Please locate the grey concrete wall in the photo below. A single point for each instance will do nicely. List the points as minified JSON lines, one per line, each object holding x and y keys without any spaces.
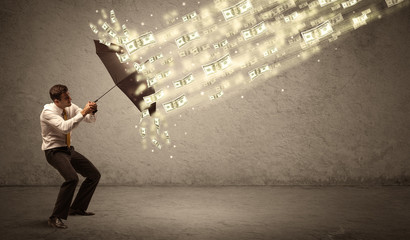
{"x":343,"y":120}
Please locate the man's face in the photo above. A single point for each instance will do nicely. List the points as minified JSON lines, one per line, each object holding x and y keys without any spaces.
{"x":65,"y":100}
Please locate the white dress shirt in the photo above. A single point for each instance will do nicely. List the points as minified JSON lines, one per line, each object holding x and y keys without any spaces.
{"x":53,"y":126}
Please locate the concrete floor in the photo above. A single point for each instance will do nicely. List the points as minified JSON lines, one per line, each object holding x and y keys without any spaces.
{"x":285,"y":212}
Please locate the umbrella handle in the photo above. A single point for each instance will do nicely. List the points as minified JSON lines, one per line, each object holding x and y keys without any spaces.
{"x":95,"y":110}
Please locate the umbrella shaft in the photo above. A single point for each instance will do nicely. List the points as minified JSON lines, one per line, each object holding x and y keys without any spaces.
{"x":106,"y":92}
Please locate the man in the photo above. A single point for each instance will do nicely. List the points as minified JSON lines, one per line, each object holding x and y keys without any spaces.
{"x":57,"y":121}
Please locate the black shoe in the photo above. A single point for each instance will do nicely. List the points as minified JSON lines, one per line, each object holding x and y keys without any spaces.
{"x":74,"y":212}
{"x":56,"y":222}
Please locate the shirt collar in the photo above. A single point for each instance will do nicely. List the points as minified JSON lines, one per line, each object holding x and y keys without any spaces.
{"x":59,"y":110}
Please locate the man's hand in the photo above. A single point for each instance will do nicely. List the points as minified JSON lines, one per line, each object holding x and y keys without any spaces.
{"x":90,"y":107}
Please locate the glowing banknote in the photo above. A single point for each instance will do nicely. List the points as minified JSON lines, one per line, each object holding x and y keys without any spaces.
{"x":105,"y":42}
{"x":181,"y":41}
{"x":336,"y":19}
{"x":167,"y":136}
{"x":391,"y":3}
{"x":361,"y":20}
{"x":139,"y":67}
{"x":145,"y":113}
{"x":254,"y":31}
{"x":349,"y":3}
{"x":291,"y":17}
{"x":217,"y":65}
{"x":154,"y":97}
{"x":155,"y":58}
{"x":93,"y":28}
{"x":122,"y":39}
{"x":185,"y":81}
{"x":278,"y":10}
{"x":169,"y":61}
{"x":123,"y":57}
{"x":190,"y":16}
{"x":112,"y":17}
{"x":217,"y":95}
{"x":323,"y":3}
{"x":156,"y":143}
{"x":162,"y":75}
{"x":221,"y":44}
{"x":270,"y":51}
{"x":135,"y":44}
{"x":258,"y":71}
{"x":156,"y":123}
{"x":176,"y":103}
{"x":143,"y":132}
{"x":237,"y":10}
{"x":109,"y":30}
{"x":152,"y":81}
{"x":318,"y":32}
{"x":125,"y":30}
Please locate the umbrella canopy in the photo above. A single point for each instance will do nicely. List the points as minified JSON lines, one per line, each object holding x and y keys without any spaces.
{"x":133,"y":85}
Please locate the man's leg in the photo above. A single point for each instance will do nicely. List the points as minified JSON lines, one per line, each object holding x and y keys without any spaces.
{"x":60,"y":160}
{"x":92,"y":176}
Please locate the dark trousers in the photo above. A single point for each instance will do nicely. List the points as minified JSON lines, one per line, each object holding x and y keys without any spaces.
{"x":68,"y":163}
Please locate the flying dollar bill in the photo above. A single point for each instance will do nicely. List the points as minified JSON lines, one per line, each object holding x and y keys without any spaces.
{"x":254,"y":31}
{"x":144,"y":113}
{"x":156,"y":123}
{"x":155,"y":58}
{"x":190,"y":16}
{"x":336,"y":19}
{"x":152,"y":81}
{"x":93,"y":28}
{"x":154,"y":97}
{"x":349,"y":3}
{"x":109,"y":30}
{"x":162,"y":75}
{"x":217,"y":95}
{"x":139,"y":67}
{"x":185,"y":81}
{"x":105,"y":42}
{"x":156,"y":143}
{"x":169,"y":61}
{"x":217,"y":65}
{"x":323,"y":3}
{"x":221,"y":44}
{"x":278,"y":10}
{"x":176,"y":103}
{"x":135,"y":44}
{"x":125,"y":30}
{"x":269,"y":52}
{"x":237,"y":10}
{"x":318,"y":32}
{"x":361,"y":20}
{"x":181,"y":41}
{"x":391,"y":3}
{"x":167,"y":136}
{"x":291,"y":17}
{"x":112,"y":17}
{"x":122,"y":39}
{"x":123,"y":57}
{"x":143,"y":132}
{"x":258,"y":71}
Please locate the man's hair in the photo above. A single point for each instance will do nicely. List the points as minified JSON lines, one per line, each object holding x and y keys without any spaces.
{"x":56,"y":91}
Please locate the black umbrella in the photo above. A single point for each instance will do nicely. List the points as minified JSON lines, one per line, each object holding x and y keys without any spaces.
{"x":132,"y":84}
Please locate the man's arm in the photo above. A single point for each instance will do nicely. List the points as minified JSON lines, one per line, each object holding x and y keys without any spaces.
{"x":57,"y":121}
{"x":87,"y":112}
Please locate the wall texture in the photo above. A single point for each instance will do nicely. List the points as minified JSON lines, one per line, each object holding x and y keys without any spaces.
{"x":341,"y":120}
